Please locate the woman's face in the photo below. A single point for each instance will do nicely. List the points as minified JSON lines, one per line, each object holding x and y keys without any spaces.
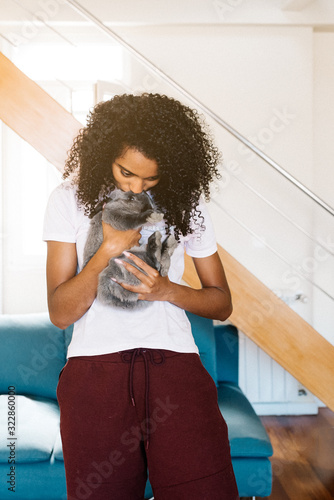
{"x":132,"y":171}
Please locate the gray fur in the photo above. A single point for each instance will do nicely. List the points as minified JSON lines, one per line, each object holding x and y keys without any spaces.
{"x":125,"y":210}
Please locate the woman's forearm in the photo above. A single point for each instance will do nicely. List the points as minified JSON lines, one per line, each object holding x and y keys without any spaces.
{"x":211,"y":302}
{"x":71,"y":299}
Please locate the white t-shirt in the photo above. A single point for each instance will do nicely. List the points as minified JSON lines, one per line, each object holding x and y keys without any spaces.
{"x":106,"y":329}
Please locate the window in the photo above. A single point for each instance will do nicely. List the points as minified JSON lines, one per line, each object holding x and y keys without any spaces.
{"x":69,"y":74}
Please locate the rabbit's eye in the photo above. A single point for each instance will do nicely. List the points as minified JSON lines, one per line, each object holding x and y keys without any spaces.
{"x":131,"y":198}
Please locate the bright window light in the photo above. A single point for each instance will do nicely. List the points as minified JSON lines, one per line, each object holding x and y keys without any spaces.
{"x":63,"y":62}
{"x":38,"y":178}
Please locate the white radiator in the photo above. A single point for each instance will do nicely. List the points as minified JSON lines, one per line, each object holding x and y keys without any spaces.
{"x":270,"y":388}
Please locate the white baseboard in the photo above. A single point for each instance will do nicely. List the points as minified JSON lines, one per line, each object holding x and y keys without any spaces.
{"x":307,"y":408}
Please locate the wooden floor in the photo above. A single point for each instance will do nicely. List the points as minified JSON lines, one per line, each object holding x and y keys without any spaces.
{"x":303,"y":460}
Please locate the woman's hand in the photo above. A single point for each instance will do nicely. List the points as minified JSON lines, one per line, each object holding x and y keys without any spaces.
{"x":153,"y":286}
{"x":213,"y":300}
{"x":117,"y":241}
{"x":70,"y":294}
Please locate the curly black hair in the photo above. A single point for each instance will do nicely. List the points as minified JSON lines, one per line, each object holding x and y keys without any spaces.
{"x":162,"y":129}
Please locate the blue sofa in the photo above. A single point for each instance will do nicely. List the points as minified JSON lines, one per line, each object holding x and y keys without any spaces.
{"x":33,"y":352}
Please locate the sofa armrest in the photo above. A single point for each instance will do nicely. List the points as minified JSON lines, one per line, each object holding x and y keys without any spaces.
{"x":33,"y":352}
{"x":248,"y":437}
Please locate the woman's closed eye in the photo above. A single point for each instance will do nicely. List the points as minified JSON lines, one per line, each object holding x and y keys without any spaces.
{"x":125,"y":173}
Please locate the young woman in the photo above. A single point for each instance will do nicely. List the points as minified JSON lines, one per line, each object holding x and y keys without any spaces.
{"x":134,"y":394}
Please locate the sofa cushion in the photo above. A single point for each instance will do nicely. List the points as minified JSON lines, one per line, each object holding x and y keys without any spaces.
{"x":35,"y":481}
{"x":32,"y":354}
{"x":248,"y":437}
{"x":203,"y":332}
{"x":36,"y":428}
{"x":58,"y":449}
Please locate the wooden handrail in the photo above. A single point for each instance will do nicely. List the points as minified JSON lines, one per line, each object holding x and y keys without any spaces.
{"x":267,"y":320}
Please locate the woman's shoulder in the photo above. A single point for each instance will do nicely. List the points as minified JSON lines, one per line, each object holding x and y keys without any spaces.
{"x":63,"y":199}
{"x":65,"y":194}
{"x":63,"y":218}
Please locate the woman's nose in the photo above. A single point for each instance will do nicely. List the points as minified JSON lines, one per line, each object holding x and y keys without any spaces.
{"x":137,"y":185}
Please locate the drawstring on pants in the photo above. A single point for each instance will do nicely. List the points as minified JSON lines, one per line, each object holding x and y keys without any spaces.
{"x":130,"y":357}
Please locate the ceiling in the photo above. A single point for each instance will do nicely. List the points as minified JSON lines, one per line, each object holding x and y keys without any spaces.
{"x":60,"y":21}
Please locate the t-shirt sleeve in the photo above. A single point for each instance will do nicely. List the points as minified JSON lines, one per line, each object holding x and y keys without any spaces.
{"x":202,"y":242}
{"x":60,"y":215}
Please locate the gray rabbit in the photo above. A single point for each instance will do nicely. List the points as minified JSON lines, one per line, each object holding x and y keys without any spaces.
{"x":127,"y":210}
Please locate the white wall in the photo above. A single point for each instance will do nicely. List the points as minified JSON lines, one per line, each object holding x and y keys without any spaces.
{"x":245,"y":75}
{"x":323,"y":156}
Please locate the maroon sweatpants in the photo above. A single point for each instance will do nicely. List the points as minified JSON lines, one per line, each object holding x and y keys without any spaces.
{"x":124,"y":412}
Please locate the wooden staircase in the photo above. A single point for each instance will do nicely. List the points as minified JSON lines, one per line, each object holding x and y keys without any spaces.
{"x":267,"y":320}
